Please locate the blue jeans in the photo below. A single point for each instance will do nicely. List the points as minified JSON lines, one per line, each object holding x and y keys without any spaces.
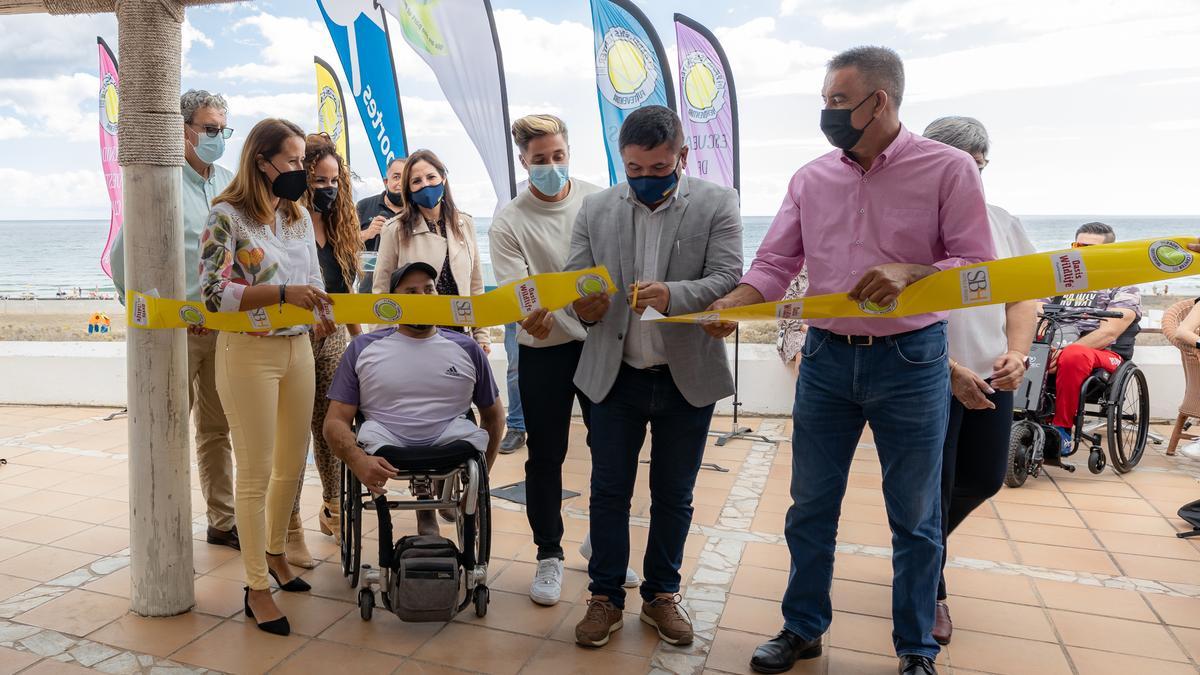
{"x":678,"y":433}
{"x":901,"y":387}
{"x":516,"y":416}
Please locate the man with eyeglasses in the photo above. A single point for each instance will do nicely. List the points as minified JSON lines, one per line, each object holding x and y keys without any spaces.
{"x":204,"y":135}
{"x":1094,"y":343}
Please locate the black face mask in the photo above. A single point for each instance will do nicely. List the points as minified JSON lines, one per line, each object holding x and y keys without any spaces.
{"x":837,"y":127}
{"x":396,"y":198}
{"x":289,"y":185}
{"x":323,"y":198}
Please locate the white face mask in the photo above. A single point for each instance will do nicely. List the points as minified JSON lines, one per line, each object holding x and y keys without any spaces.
{"x":209,"y":148}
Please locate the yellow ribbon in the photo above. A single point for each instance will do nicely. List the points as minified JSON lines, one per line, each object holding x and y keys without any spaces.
{"x":1027,"y":277}
{"x":503,"y":305}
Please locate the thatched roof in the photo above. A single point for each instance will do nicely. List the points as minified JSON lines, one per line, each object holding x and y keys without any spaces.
{"x":77,"y":6}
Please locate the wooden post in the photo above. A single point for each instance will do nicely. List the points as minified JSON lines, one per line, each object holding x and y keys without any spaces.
{"x":151,"y":152}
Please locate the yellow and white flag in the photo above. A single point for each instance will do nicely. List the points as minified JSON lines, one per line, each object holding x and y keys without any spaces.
{"x":331,"y":109}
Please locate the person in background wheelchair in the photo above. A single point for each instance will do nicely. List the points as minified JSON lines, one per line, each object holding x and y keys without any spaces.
{"x":1101,"y":343}
{"x":412,"y":384}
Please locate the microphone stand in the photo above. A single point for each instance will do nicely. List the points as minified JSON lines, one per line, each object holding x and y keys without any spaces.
{"x":738,"y":431}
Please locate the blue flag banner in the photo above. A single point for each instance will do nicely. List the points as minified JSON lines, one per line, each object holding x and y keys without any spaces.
{"x":631,"y":71}
{"x":360,"y":35}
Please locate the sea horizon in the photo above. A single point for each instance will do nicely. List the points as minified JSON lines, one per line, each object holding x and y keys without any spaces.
{"x":26,"y":269}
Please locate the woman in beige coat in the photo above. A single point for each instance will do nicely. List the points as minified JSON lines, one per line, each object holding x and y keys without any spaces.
{"x":430,"y":229}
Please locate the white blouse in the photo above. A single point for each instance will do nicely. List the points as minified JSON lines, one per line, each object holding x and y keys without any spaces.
{"x":237,"y":252}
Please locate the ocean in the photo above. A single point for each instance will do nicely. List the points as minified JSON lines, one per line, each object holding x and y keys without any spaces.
{"x":44,"y":257}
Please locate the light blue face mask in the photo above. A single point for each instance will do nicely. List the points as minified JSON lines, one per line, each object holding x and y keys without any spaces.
{"x":549,"y":179}
{"x":209,"y":148}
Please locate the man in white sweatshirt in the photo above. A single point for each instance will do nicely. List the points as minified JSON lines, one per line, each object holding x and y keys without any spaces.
{"x":532,"y":235}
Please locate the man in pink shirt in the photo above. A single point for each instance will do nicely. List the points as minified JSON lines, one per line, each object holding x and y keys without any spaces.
{"x":885,"y":209}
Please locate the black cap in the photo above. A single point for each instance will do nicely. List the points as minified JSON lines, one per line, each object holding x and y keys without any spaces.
{"x":401,"y":271}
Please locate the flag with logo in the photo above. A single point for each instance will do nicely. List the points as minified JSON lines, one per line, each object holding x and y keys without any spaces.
{"x":109,"y":102}
{"x":631,"y":71}
{"x":708,"y":104}
{"x":331,"y":109}
{"x":359,"y":32}
{"x":457,"y":38}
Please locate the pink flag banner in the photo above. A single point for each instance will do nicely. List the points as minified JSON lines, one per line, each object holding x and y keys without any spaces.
{"x":108,"y":145}
{"x":707,"y":105}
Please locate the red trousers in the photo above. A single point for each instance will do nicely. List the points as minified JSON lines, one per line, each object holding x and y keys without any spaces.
{"x":1075,"y":363}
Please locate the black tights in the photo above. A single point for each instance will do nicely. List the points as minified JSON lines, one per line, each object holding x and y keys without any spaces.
{"x":971,"y":477}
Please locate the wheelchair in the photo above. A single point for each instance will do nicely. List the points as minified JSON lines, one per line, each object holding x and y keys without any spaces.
{"x":1117,"y":403}
{"x":452,"y":478}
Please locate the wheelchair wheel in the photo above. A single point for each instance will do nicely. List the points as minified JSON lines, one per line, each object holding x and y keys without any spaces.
{"x":1020,"y":450}
{"x":366,"y":604}
{"x":352,"y":515}
{"x":482,"y":595}
{"x":477,"y":529}
{"x":1128,"y":418}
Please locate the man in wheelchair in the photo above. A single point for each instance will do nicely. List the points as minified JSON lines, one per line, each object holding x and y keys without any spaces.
{"x":1093,"y":343}
{"x":411,"y":383}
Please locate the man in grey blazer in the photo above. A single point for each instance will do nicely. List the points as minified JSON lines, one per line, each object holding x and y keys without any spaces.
{"x":674,"y":244}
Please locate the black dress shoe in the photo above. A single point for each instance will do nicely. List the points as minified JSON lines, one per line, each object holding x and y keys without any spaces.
{"x":296,"y":585}
{"x":279,"y":626}
{"x":915,"y":664}
{"x":223,"y":537}
{"x":780,"y":653}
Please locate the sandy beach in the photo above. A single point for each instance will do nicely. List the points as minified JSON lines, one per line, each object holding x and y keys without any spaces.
{"x":67,"y":320}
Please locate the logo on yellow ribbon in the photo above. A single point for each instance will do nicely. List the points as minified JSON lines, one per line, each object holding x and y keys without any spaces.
{"x":191,"y":315}
{"x":1169,"y":256}
{"x":590,"y":283}
{"x":388,"y":310}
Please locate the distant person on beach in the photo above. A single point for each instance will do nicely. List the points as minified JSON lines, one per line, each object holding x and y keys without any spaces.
{"x":335,"y":229}
{"x":204,"y":135}
{"x":373,"y":212}
{"x":672,"y":243}
{"x":1097,"y":343}
{"x":258,"y":251}
{"x":431,"y":229}
{"x":988,"y":347}
{"x":883,"y":210}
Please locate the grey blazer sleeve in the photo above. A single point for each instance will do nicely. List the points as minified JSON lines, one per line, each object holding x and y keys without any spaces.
{"x":722,"y":261}
{"x":580,"y":256}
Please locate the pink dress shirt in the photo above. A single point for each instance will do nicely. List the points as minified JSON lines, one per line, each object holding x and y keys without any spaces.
{"x":921,"y":203}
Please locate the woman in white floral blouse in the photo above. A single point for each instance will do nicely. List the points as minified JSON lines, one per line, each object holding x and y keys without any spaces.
{"x":258,"y":251}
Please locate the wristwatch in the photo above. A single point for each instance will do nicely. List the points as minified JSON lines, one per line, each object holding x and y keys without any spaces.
{"x":1197,"y":344}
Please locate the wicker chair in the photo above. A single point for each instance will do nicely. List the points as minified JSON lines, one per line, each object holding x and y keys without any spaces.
{"x":1190,"y":408}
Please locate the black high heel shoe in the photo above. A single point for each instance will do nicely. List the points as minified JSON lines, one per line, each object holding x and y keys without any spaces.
{"x":279,"y":626}
{"x":296,"y":585}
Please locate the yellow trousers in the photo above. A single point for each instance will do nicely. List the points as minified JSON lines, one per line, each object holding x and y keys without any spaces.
{"x":266,"y":386}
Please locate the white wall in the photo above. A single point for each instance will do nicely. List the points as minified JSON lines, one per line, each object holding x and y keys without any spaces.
{"x":93,"y":373}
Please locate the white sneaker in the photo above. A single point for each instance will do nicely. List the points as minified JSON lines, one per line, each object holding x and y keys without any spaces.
{"x":1191,"y":451}
{"x":547,"y":582}
{"x":632,"y":580}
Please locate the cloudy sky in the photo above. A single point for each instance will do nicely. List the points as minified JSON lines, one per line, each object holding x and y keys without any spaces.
{"x":1091,"y":104}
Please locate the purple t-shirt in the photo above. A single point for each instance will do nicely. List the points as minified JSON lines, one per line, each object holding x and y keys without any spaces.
{"x":414,"y":387}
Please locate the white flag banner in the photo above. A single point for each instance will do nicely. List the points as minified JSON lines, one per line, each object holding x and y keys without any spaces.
{"x":457,"y":38}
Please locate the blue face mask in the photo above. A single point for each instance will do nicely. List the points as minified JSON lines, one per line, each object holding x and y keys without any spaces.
{"x":209,"y":148}
{"x":429,"y":196}
{"x":549,"y":179}
{"x":651,"y":190}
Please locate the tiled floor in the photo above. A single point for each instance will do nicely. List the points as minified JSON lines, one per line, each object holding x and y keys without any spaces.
{"x":1068,"y":574}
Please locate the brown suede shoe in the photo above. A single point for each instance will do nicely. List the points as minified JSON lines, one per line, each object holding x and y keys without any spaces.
{"x":665,"y":614}
{"x":601,"y":620}
{"x":943,"y":627}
